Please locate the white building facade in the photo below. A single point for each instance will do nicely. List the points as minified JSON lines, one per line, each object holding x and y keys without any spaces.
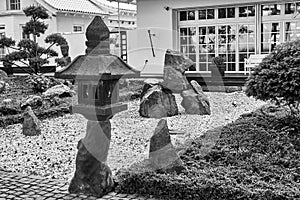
{"x":207,"y":28}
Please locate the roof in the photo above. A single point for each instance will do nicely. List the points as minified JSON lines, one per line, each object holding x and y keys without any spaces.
{"x":97,"y":66}
{"x":81,"y":6}
{"x":114,"y":5}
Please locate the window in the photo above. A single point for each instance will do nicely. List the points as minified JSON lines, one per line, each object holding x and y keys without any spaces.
{"x":77,"y":28}
{"x":188,"y":42}
{"x":187,"y":15}
{"x":2,"y":35}
{"x":291,"y":8}
{"x":24,"y":35}
{"x":246,"y":44}
{"x":227,"y":45}
{"x":206,"y":14}
{"x":270,"y":36}
{"x":246,"y":11}
{"x":226,"y":13}
{"x":271,"y":9}
{"x":13,"y":5}
{"x":207,"y":46}
{"x":291,"y":31}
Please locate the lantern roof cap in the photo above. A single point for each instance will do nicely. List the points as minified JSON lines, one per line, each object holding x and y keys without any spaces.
{"x":97,"y":66}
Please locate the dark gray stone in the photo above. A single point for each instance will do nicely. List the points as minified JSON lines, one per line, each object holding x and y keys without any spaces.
{"x":178,"y":61}
{"x":194,"y":103}
{"x":31,"y":124}
{"x":33,"y":101}
{"x":157,"y":102}
{"x":92,"y":177}
{"x":59,"y":91}
{"x":162,"y":154}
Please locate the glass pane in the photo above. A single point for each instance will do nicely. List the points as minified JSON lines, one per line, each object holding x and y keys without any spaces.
{"x":222,"y":30}
{"x":211,"y":30}
{"x":202,"y":40}
{"x":251,"y":38}
{"x":191,"y":15}
{"x":265,"y":47}
{"x":242,"y":47}
{"x":289,"y":8}
{"x":202,"y":49}
{"x":211,"y":39}
{"x":221,"y":13}
{"x":183,"y":49}
{"x":231,"y":57}
{"x":182,"y":15}
{"x":183,"y":40}
{"x":251,"y":11}
{"x":222,"y":48}
{"x":243,"y":38}
{"x":202,"y":14}
{"x":192,"y":31}
{"x":275,"y":27}
{"x":242,"y":57}
{"x":243,"y":11}
{"x":222,"y":39}
{"x":210,"y":57}
{"x":266,"y":27}
{"x":251,"y":47}
{"x":210,"y":13}
{"x":85,"y":91}
{"x":231,"y":67}
{"x":202,"y":30}
{"x":211,"y":48}
{"x":231,"y":29}
{"x":265,"y":37}
{"x":231,"y":48}
{"x":202,"y":66}
{"x":243,"y":29}
{"x":230,"y":12}
{"x":192,"y":57}
{"x":183,"y":31}
{"x":202,"y":58}
{"x":192,"y":49}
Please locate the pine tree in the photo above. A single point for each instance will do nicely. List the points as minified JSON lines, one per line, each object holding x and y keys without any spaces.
{"x":27,"y":51}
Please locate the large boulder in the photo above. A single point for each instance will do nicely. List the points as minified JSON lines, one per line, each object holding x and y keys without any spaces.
{"x":162,"y":154}
{"x":157,"y":102}
{"x":33,"y":101}
{"x":195,"y":103}
{"x":92,"y":177}
{"x":3,"y":75}
{"x":31,"y":124}
{"x":59,"y":91}
{"x":175,"y":66}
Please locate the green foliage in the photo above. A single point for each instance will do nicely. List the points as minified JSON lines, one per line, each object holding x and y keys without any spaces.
{"x":256,"y":157}
{"x":28,"y":52}
{"x":41,"y":83}
{"x":277,"y":78}
{"x":219,"y":61}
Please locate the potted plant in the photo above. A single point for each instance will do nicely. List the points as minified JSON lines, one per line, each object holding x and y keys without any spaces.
{"x":218,"y":66}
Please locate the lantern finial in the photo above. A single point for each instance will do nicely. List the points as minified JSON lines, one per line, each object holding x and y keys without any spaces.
{"x":97,"y":35}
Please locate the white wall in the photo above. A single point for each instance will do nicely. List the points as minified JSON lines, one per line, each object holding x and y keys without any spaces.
{"x":152,"y":15}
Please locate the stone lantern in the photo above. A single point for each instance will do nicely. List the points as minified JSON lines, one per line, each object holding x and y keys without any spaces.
{"x":97,"y":74}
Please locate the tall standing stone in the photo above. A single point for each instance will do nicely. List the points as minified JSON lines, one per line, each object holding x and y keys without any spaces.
{"x":31,"y":124}
{"x":162,"y":154}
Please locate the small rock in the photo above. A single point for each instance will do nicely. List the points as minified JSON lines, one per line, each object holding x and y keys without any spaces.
{"x":194,"y":103}
{"x":162,"y":153}
{"x":60,"y":91}
{"x":157,"y":102}
{"x":34,"y":101}
{"x":31,"y":124}
{"x":3,"y":86}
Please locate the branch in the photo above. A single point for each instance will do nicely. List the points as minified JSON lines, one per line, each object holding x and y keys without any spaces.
{"x":47,"y":49}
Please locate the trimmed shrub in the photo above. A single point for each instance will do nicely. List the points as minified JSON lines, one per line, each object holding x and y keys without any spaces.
{"x":256,"y":157}
{"x":277,"y":78}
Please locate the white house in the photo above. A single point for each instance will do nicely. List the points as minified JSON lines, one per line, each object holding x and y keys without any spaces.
{"x":203,"y":29}
{"x":68,"y":17}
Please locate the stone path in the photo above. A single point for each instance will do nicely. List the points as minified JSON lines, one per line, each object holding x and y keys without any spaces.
{"x":21,"y":187}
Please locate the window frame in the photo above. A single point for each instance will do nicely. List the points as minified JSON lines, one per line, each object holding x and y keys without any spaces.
{"x":13,"y":4}
{"x":75,"y":26}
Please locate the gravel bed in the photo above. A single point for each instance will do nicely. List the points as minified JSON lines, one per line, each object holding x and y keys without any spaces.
{"x":53,"y":153}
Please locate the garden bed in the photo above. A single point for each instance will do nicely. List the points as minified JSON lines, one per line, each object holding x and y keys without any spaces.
{"x":255,"y":157}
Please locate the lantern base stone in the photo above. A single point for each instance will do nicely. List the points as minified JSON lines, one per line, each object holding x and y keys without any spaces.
{"x":92,"y":177}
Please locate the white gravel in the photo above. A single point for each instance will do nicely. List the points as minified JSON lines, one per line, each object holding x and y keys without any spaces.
{"x":53,"y":153}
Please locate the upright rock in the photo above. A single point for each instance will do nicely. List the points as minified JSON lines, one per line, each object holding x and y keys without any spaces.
{"x":157,"y":102}
{"x":175,"y":66}
{"x":34,"y":101}
{"x":92,"y":177}
{"x":3,"y":86}
{"x":194,"y":103}
{"x":162,"y":153}
{"x":31,"y":124}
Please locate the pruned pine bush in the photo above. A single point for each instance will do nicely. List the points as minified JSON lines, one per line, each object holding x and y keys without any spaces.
{"x":277,"y":78}
{"x":256,"y":157}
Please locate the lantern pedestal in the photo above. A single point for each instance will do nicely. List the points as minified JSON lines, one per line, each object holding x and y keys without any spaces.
{"x":92,"y":176}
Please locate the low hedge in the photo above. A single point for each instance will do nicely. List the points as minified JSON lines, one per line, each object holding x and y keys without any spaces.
{"x":256,"y":157}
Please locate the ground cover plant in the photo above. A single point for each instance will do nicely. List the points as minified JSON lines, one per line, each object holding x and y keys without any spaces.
{"x":256,"y":157}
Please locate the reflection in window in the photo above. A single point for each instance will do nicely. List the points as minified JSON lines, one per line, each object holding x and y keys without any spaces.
{"x":270,"y":9}
{"x":187,"y":15}
{"x":246,"y":43}
{"x":270,"y":36}
{"x":226,"y":13}
{"x":246,"y":11}
{"x":14,"y":5}
{"x":2,"y":35}
{"x":188,"y":42}
{"x":291,"y":31}
{"x":291,"y":8}
{"x":207,"y":46}
{"x":206,"y":14}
